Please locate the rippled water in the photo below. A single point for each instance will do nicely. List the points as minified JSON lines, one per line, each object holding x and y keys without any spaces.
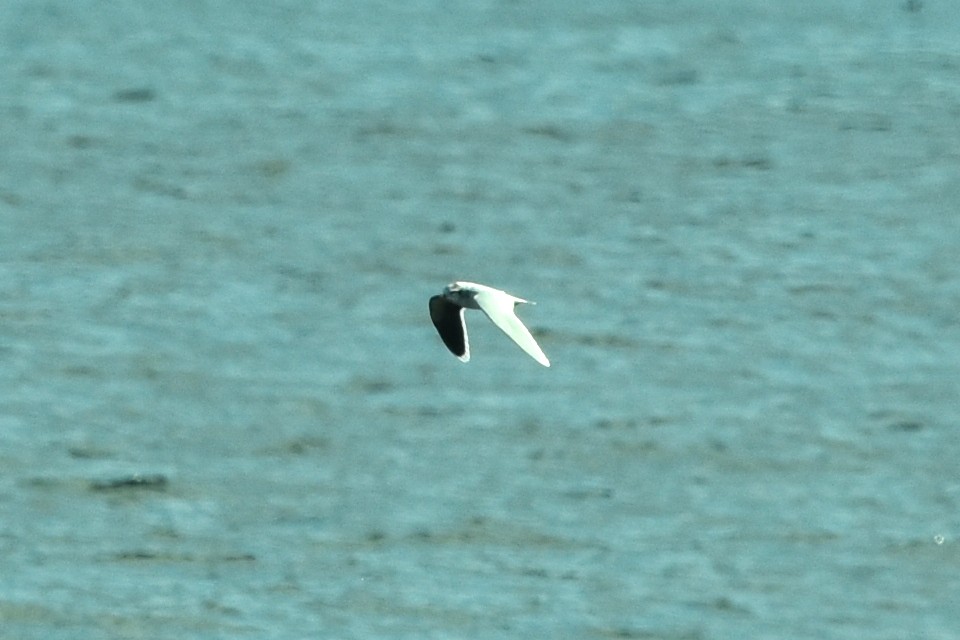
{"x":225,"y":412}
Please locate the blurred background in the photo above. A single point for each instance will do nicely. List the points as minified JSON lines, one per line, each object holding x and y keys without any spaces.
{"x":224,"y":412}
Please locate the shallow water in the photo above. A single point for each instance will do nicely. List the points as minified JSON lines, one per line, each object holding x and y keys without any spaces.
{"x":225,"y":412}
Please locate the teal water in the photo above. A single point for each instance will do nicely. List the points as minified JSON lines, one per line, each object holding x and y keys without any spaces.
{"x":224,"y":411}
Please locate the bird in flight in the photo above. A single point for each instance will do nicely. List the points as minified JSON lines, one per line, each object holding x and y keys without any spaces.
{"x":446,"y":311}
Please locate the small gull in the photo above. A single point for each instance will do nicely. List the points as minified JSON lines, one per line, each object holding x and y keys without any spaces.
{"x":446,"y":311}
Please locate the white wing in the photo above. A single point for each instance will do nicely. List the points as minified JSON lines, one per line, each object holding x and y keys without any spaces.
{"x":499,"y":307}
